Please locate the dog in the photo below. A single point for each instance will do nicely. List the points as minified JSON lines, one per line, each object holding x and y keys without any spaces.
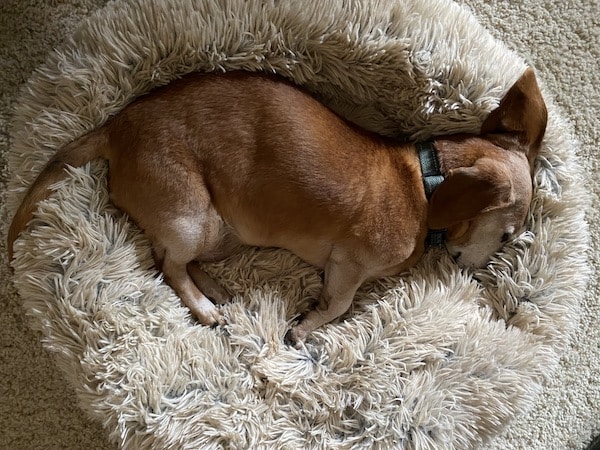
{"x":213,"y":161}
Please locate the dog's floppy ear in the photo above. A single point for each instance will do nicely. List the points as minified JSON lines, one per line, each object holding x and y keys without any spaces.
{"x":521,"y":117}
{"x":467,"y":192}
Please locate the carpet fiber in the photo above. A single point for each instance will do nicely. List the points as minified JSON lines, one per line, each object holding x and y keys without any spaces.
{"x":416,"y":363}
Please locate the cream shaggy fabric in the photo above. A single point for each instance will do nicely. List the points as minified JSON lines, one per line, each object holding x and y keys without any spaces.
{"x":436,"y":358}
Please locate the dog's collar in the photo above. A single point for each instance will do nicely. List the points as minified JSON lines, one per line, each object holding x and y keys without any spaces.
{"x":430,"y":167}
{"x":432,"y":178}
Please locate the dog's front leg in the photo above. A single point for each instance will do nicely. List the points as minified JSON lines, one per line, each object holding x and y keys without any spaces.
{"x":342,"y":278}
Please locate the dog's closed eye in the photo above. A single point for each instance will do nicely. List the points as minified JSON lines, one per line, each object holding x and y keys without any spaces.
{"x":509,"y":234}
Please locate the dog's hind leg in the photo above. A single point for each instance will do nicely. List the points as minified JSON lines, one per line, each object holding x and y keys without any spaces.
{"x":175,"y":269}
{"x":180,"y":243}
{"x":223,"y":244}
{"x":207,"y":285}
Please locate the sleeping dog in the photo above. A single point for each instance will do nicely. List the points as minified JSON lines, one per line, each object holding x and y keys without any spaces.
{"x":212,"y":161}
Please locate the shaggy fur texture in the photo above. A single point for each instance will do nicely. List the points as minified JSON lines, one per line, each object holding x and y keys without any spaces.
{"x":437,"y":357}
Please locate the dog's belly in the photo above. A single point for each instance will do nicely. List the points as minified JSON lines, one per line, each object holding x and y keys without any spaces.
{"x":378,"y":254}
{"x":312,"y":249}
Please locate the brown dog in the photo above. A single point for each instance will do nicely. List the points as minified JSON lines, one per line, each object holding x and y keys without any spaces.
{"x":213,"y":161}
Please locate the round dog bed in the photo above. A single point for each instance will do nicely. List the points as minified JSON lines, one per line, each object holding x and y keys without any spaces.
{"x":437,"y":357}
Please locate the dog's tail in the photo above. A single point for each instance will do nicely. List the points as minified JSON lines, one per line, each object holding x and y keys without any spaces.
{"x":88,"y":147}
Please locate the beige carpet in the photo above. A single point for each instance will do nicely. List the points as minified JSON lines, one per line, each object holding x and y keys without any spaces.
{"x":38,"y":412}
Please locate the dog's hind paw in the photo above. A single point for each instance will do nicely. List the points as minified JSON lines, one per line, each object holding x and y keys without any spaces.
{"x":220,"y":321}
{"x":207,"y":313}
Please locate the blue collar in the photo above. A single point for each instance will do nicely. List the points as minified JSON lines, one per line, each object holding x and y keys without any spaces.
{"x":432,"y":178}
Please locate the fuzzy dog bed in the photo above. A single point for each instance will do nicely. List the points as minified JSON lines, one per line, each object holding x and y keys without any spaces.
{"x":438,"y":357}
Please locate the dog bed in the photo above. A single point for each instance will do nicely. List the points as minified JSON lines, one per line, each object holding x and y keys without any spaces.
{"x":437,"y":357}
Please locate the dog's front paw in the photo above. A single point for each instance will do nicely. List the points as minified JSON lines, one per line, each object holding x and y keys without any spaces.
{"x":294,"y":337}
{"x":290,"y":338}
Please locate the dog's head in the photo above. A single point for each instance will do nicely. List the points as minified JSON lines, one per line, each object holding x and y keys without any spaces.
{"x":482,"y":206}
{"x":484,"y":199}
